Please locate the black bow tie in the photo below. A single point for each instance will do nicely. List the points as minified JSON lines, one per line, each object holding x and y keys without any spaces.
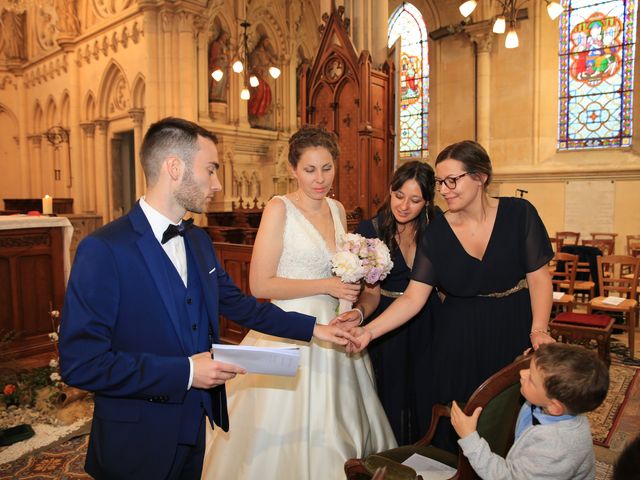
{"x":175,"y":230}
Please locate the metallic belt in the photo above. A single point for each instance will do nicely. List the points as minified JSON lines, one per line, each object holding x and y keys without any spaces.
{"x":390,"y":294}
{"x":520,"y":285}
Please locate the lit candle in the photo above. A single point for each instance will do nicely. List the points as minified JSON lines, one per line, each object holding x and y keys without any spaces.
{"x":47,"y":205}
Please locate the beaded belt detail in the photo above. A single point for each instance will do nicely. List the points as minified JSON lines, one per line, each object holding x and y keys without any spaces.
{"x":390,"y":294}
{"x":520,"y":285}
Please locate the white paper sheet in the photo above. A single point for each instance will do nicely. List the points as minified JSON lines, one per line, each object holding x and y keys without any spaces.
{"x":613,"y":300}
{"x":558,"y":295}
{"x":268,"y":361}
{"x":429,"y":468}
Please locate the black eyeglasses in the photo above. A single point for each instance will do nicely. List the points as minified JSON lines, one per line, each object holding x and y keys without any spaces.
{"x":450,"y":182}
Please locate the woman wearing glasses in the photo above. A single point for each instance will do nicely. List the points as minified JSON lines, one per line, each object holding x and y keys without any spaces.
{"x":489,"y":257}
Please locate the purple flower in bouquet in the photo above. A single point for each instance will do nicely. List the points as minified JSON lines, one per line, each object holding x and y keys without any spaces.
{"x":359,"y":258}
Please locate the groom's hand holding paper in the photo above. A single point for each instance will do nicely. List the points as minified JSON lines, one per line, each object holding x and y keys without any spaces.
{"x":268,"y":361}
{"x":208,"y":373}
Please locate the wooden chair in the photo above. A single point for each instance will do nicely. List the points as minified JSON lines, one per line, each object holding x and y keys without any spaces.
{"x":563,"y":278}
{"x":556,"y":243}
{"x":611,"y":237}
{"x":607,"y":246}
{"x":633,"y":245}
{"x":500,"y":398}
{"x":584,"y":329}
{"x":569,"y":238}
{"x":619,"y":284}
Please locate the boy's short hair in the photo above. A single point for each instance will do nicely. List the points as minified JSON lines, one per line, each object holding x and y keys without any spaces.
{"x":572,"y":375}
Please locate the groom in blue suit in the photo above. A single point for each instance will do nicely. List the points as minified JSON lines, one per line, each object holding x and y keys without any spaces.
{"x":141,"y":312}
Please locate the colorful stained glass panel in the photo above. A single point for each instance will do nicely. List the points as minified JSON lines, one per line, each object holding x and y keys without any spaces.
{"x":597,"y":41}
{"x":407,"y":23}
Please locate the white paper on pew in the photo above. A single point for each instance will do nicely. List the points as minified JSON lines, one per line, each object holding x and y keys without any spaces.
{"x":268,"y":361}
{"x":429,"y":468}
{"x":558,"y":295}
{"x":613,"y":300}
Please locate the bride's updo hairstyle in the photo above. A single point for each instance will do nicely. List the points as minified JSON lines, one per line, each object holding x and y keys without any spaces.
{"x":472,"y":155}
{"x":310,"y":136}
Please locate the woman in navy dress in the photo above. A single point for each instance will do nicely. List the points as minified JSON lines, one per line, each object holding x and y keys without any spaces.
{"x":399,"y":358}
{"x":488,"y":257}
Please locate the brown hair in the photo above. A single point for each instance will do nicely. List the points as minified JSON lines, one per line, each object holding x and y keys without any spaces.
{"x":170,"y":136}
{"x":423,"y":174}
{"x":472,"y":155}
{"x":572,"y":375}
{"x":312,"y":136}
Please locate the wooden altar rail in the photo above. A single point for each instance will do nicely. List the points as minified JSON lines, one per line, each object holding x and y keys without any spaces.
{"x":32,"y":279}
{"x":24,"y":205}
{"x":235,"y":260}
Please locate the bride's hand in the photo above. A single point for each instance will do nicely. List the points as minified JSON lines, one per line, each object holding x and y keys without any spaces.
{"x":334,"y":334}
{"x":345,"y":291}
{"x":348,"y":320}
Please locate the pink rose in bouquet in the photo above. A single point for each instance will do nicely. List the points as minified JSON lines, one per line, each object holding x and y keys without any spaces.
{"x":360,"y":259}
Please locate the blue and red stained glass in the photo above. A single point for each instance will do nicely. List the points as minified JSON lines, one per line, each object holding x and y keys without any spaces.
{"x":597,"y":43}
{"x":407,"y":23}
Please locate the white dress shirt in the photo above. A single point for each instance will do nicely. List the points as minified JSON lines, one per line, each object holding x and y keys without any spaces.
{"x":174,"y":249}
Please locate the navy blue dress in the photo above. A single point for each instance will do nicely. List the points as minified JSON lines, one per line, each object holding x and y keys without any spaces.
{"x":474,"y":336}
{"x":399,"y":358}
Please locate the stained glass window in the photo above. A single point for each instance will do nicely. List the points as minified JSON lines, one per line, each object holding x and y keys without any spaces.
{"x":407,"y":23}
{"x":597,"y":43}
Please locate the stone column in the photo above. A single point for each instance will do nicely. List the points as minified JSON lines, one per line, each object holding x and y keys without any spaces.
{"x":102,"y":173}
{"x":89,"y":156}
{"x":483,"y":38}
{"x":379,"y":37}
{"x":137,"y":114}
{"x":186,"y":65}
{"x":36,"y":162}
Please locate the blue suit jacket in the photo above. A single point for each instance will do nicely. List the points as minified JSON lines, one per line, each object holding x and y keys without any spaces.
{"x":119,"y":338}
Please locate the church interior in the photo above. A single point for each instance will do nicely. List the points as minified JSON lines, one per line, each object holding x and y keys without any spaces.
{"x":555,"y":102}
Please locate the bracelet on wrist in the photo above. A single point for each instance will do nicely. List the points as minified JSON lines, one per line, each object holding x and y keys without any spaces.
{"x":360,"y":310}
{"x":539,"y":330}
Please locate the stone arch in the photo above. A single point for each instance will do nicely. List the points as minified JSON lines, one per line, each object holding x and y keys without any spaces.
{"x":138,"y":90}
{"x":265,"y":18}
{"x":65,"y":106}
{"x":38,"y":116}
{"x":89,"y":107}
{"x":50,"y":113}
{"x":5,"y":110}
{"x":114,"y":94}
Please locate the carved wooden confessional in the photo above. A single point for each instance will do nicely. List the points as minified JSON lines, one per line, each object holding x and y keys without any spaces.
{"x":346,"y":95}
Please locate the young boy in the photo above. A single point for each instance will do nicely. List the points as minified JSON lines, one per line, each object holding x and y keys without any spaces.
{"x":552,"y":438}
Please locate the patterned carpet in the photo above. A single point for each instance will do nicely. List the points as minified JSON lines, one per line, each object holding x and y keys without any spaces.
{"x":61,"y":461}
{"x":605,"y":418}
{"x":65,"y":461}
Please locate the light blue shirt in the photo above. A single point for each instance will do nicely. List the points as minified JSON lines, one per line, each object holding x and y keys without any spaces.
{"x":525,"y":418}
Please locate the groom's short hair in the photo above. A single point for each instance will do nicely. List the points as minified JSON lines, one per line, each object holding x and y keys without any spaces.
{"x":170,"y":136}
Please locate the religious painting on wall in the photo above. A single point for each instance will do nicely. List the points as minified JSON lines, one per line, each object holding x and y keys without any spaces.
{"x":597,"y":43}
{"x":407,"y":23}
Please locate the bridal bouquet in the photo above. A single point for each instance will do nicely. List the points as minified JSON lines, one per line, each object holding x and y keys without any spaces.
{"x":359,"y":258}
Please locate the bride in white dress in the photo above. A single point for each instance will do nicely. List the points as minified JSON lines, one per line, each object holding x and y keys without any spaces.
{"x":301,"y":427}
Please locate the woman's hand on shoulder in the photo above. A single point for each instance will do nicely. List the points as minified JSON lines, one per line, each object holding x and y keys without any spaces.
{"x":540,"y":338}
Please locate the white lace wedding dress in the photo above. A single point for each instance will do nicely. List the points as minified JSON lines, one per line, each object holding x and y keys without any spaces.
{"x":301,"y":427}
